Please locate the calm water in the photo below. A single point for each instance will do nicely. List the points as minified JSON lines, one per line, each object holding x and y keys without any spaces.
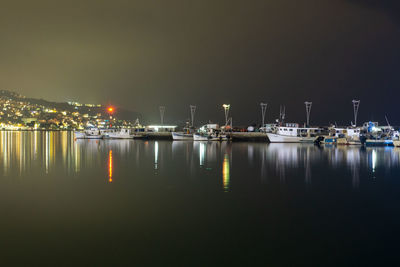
{"x":162,"y":203}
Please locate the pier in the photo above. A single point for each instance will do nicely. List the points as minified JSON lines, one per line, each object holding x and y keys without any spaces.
{"x":235,"y":136}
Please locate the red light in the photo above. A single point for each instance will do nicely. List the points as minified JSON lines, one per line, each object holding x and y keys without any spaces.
{"x":110,"y":109}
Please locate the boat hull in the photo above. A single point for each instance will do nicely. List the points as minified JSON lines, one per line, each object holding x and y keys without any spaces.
{"x":139,"y":136}
{"x":277,"y":138}
{"x":339,"y":141}
{"x":374,"y":142}
{"x":93,"y":137}
{"x":197,"y":137}
{"x":79,"y":135}
{"x":182,"y":136}
{"x":119,"y":136}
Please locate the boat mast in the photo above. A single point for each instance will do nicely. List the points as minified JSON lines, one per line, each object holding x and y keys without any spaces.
{"x":282,"y":114}
{"x":263,"y":111}
{"x":192,"y":112}
{"x":308,"y":111}
{"x":356,"y":104}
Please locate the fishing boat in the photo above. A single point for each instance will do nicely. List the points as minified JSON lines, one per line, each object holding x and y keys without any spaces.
{"x":342,"y":136}
{"x":137,"y":135}
{"x":79,"y":135}
{"x":105,"y":132}
{"x":379,"y":142}
{"x":210,"y":137}
{"x":210,"y":132}
{"x":93,"y":133}
{"x":188,"y":130}
{"x":182,"y":136}
{"x":292,"y":133}
{"x":123,"y":133}
{"x":186,"y":134}
{"x":379,"y":135}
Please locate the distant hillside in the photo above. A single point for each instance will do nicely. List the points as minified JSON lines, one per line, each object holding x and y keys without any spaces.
{"x":121,"y":113}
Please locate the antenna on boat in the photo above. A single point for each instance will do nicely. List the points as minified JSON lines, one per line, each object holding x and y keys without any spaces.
{"x":162,"y":112}
{"x":308,"y":111}
{"x":137,"y":123}
{"x":263,"y":111}
{"x":282,"y":110}
{"x":192,"y":112}
{"x":356,"y":104}
{"x":387,"y":121}
{"x":226,"y":109}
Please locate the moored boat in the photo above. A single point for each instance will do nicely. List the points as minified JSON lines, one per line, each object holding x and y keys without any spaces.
{"x":379,"y":142}
{"x":210,"y":132}
{"x":379,"y":135}
{"x":123,"y":133}
{"x":342,"y":136}
{"x":93,"y":133}
{"x":292,"y":133}
{"x":105,"y":132}
{"x":210,"y":137}
{"x":139,"y":135}
{"x":79,"y":135}
{"x":182,"y":136}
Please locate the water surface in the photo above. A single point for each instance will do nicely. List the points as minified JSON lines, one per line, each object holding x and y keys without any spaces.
{"x":164,"y":203}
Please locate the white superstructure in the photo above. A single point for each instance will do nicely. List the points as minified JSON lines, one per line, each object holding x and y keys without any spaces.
{"x":210,"y":132}
{"x":292,"y":133}
{"x":182,"y":136}
{"x":123,"y":133}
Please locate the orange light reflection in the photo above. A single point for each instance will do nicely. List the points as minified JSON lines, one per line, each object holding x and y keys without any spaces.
{"x":110,"y":166}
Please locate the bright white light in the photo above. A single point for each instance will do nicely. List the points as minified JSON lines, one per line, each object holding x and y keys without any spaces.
{"x":373,"y":160}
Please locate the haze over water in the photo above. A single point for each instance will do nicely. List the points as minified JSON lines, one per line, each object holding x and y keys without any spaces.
{"x":126,"y":202}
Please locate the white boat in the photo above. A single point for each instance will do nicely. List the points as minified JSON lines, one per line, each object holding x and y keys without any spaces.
{"x":106,"y":132}
{"x":182,"y":136}
{"x":123,"y":133}
{"x":79,"y":135}
{"x":292,"y":133}
{"x":210,"y":137}
{"x":210,"y":132}
{"x":93,"y":133}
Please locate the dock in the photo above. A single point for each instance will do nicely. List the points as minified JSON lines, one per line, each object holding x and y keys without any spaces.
{"x":249,"y":136}
{"x":235,"y":136}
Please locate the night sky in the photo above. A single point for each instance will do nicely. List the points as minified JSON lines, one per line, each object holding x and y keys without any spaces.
{"x":143,"y":54}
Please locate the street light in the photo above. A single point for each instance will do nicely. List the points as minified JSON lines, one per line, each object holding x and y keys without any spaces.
{"x":110,"y":110}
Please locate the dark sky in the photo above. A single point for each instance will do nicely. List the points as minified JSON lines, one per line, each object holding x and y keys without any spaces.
{"x":142,"y":54}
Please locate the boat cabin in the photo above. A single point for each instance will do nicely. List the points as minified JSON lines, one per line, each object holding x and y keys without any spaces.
{"x":293,"y":129}
{"x":161,"y":128}
{"x":209,"y":128}
{"x":346,"y":132}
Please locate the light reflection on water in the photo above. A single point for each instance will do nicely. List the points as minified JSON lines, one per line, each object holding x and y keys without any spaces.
{"x":132,"y":197}
{"x":58,"y":152}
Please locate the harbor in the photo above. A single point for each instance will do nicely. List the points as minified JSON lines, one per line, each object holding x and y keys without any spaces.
{"x":368,"y":134}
